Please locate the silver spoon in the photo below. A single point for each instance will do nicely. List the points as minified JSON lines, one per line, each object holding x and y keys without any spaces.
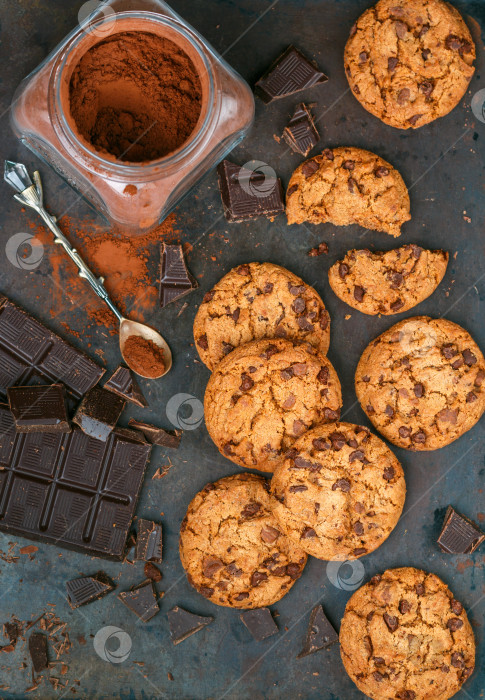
{"x":30,"y":194}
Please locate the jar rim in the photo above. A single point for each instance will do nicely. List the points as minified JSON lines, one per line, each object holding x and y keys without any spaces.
{"x":133,"y":168}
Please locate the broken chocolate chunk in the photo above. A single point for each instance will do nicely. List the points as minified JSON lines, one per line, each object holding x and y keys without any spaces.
{"x":175,"y":279}
{"x":152,"y":572}
{"x":98,"y":413}
{"x":123,"y":383}
{"x":292,"y":72}
{"x":248,"y":194}
{"x":39,"y":409}
{"x":86,"y":589}
{"x":301,"y":134}
{"x":459,"y":535}
{"x":321,"y":249}
{"x":157,"y":436}
{"x":149,"y":541}
{"x":142,"y":601}
{"x":184,"y":624}
{"x":320,"y":634}
{"x":260,"y":623}
{"x":38,"y":651}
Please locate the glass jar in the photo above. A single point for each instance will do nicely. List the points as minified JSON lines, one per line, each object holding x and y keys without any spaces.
{"x":134,"y":196}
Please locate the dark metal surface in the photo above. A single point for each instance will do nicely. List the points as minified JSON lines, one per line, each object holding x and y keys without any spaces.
{"x":443,"y":164}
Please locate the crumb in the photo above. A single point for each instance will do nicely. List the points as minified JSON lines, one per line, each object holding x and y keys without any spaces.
{"x":347,"y":316}
{"x":321,"y":248}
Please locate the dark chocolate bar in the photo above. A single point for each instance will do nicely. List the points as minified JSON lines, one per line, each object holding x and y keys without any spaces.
{"x":31,"y":354}
{"x":70,"y":489}
{"x":123,"y":383}
{"x":290,"y":73}
{"x":175,"y":279}
{"x":248,"y":194}
{"x":86,"y":589}
{"x":459,"y":535}
{"x":260,"y":623}
{"x":142,"y":601}
{"x":320,"y":634}
{"x":98,"y":413}
{"x":38,"y":651}
{"x":184,"y":624}
{"x":157,"y":436}
{"x":301,"y":134}
{"x":149,"y":541}
{"x":39,"y":408}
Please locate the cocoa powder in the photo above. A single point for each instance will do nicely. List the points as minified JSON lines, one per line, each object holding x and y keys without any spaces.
{"x":136,"y":96}
{"x":143,"y":356}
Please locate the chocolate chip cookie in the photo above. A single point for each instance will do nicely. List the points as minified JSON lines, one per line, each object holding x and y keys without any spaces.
{"x":421,"y":383}
{"x":232,"y":547}
{"x":409,"y":62}
{"x":339,"y":492}
{"x":266,"y":394}
{"x":387,"y":283}
{"x":259,"y":300}
{"x":348,"y":186}
{"x":405,"y":636}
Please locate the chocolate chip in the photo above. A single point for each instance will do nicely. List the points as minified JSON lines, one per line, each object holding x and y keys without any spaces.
{"x":453,"y":42}
{"x":471,"y":397}
{"x":286,"y":373}
{"x":268,"y":288}
{"x":414,"y":119}
{"x":250,"y":510}
{"x":233,"y":570}
{"x":293,"y":571}
{"x":389,"y":411}
{"x":208,"y":296}
{"x":448,"y":351}
{"x":206,"y":591}
{"x":211,"y":565}
{"x":396,"y":280}
{"x":448,"y":415}
{"x":417,"y":250}
{"x":302,"y":463}
{"x":341,"y":484}
{"x":324,"y":320}
{"x":243,"y":270}
{"x":392,"y":62}
{"x":227,"y":348}
{"x":299,"y":369}
{"x":228,"y":448}
{"x":359,"y":293}
{"x":391,"y":621}
{"x":309,"y":168}
{"x":331,"y":415}
{"x":424,"y":30}
{"x":378,"y":660}
{"x":374,"y":581}
{"x":406,"y":695}
{"x":454,"y":624}
{"x":356,"y":454}
{"x":457,"y":660}
{"x":352,"y":185}
{"x":289,"y":402}
{"x":305,"y":324}
{"x":298,"y":488}
{"x":299,"y":305}
{"x":403,"y":96}
{"x":320,"y":444}
{"x":389,"y":473}
{"x":469,"y":357}
{"x":425,"y":53}
{"x":363,"y":56}
{"x":202,"y":342}
{"x":348,"y":164}
{"x":356,"y":89}
{"x":479,"y":378}
{"x":458,"y":363}
{"x":353,"y":30}
{"x":242,"y":596}
{"x":323,"y":375}
{"x":378,"y":676}
{"x":269,"y":534}
{"x":258,"y":577}
{"x":419,"y":437}
{"x":370,"y":409}
{"x":382,"y":171}
{"x":291,"y":190}
{"x":299,"y":427}
{"x":456,"y":606}
{"x":343,"y":270}
{"x":358,"y":528}
{"x":420,"y":589}
{"x":396,"y":305}
{"x":419,"y":390}
{"x":307,"y":533}
{"x":404,"y":607}
{"x":401,"y":29}
{"x":338,"y":440}
{"x":359,"y":551}
{"x":246,"y":382}
{"x":426,"y":87}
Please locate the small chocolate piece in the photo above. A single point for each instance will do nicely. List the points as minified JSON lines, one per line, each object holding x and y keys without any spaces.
{"x":142,"y":601}
{"x":30,"y":353}
{"x":157,"y":436}
{"x":247,"y":194}
{"x":260,"y":623}
{"x":175,"y":279}
{"x":123,"y":383}
{"x":459,"y":535}
{"x":320,"y":634}
{"x":39,"y":409}
{"x":77,"y":492}
{"x":184,"y":624}
{"x":149,"y":541}
{"x":38,"y":651}
{"x":98,"y":413}
{"x":301,"y":134}
{"x":152,"y":572}
{"x":290,"y":73}
{"x":86,"y":589}
{"x":321,"y":249}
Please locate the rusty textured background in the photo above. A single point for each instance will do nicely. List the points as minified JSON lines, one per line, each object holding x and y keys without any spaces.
{"x":443,"y":163}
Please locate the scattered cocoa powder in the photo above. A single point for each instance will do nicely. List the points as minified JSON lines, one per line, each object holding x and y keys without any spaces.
{"x":143,"y":356}
{"x":136,"y":96}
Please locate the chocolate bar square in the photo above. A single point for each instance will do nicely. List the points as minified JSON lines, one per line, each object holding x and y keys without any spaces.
{"x":175,"y":279}
{"x":123,"y":383}
{"x":459,"y":535}
{"x":290,"y":73}
{"x":248,"y":194}
{"x":98,"y":413}
{"x":301,"y":134}
{"x":39,"y":408}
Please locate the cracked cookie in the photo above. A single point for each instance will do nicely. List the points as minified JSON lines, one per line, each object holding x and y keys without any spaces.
{"x":421,"y":383}
{"x":339,"y":492}
{"x":266,"y":394}
{"x":232,"y":548}
{"x":405,"y":636}
{"x":254,"y":301}
{"x":387,"y":283}
{"x":346,"y":186}
{"x":409,"y":62}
